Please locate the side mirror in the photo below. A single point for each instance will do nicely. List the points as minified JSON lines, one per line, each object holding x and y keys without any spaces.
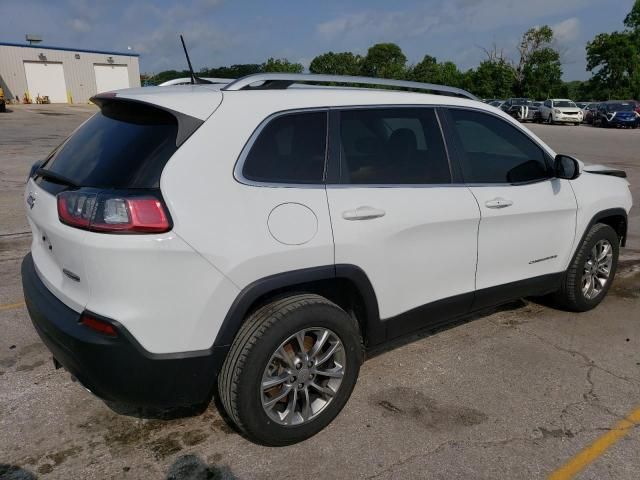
{"x":566,"y":167}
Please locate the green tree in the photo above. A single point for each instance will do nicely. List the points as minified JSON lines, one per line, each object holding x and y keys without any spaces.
{"x":632,"y":20}
{"x":281,"y":65}
{"x":542,"y":75}
{"x":233,"y":71}
{"x":492,"y":79}
{"x":384,"y":60}
{"x":537,"y":54}
{"x":613,"y":58}
{"x":330,"y":63}
{"x":429,"y":70}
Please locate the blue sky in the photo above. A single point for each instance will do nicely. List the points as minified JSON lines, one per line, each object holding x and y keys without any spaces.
{"x":223,"y":32}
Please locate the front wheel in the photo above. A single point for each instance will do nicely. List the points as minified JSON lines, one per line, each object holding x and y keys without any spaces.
{"x":291,"y":369}
{"x":592,"y":270}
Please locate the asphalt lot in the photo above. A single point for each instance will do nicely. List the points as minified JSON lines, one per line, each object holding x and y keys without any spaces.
{"x":512,"y":394}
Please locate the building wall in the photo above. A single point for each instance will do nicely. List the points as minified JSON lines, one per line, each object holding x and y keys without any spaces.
{"x":79,"y":73}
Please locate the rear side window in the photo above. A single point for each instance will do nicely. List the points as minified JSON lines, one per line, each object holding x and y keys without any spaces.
{"x":392,"y":146}
{"x":492,"y":151}
{"x":289,"y":149}
{"x":125,"y":145}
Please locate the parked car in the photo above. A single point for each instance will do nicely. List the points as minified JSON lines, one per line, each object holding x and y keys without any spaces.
{"x":235,"y":239}
{"x":496,"y":103}
{"x":559,"y":110}
{"x":520,"y":108}
{"x":616,"y":113}
{"x":591,"y":113}
{"x":584,"y":106}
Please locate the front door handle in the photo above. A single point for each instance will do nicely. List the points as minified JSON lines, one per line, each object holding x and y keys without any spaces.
{"x":498,"y":203}
{"x":363,"y":213}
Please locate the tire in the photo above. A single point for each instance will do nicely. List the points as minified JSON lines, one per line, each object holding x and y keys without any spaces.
{"x":253,"y":352}
{"x":571,"y":295}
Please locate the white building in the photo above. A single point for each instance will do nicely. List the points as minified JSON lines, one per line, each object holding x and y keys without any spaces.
{"x":65,"y":75}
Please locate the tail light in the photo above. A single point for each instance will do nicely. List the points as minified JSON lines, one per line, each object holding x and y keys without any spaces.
{"x":113,"y":212}
{"x":97,"y":325}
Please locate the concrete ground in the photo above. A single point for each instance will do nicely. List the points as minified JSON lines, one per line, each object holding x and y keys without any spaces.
{"x":514,"y":394}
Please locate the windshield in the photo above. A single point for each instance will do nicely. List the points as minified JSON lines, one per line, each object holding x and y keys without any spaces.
{"x":520,"y":101}
{"x":620,"y":107}
{"x":582,"y":105}
{"x":564,"y":104}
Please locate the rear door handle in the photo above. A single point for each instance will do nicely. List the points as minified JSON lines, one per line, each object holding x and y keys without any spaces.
{"x":498,"y":203}
{"x":363,"y":213}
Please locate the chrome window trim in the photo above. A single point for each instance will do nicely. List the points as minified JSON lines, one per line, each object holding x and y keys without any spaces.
{"x":244,"y":153}
{"x":239,"y":164}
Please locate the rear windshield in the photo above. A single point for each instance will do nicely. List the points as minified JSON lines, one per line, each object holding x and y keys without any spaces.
{"x":125,"y":145}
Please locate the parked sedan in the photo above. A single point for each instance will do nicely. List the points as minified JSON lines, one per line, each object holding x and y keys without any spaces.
{"x":561,"y":110}
{"x":616,"y":113}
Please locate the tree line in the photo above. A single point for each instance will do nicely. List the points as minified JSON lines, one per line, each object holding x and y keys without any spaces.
{"x":612,"y":58}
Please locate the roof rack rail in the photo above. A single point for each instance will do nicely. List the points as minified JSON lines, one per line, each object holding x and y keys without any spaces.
{"x":276,"y":81}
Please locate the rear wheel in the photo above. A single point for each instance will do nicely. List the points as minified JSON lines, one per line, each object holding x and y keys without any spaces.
{"x":592,"y":270}
{"x":291,"y":369}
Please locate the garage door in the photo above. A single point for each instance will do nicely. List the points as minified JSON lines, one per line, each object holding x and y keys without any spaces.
{"x":111,"y":77}
{"x":46,"y":79}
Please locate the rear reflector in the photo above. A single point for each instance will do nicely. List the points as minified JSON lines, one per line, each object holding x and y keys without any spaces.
{"x":113,"y":213}
{"x":99,"y":326}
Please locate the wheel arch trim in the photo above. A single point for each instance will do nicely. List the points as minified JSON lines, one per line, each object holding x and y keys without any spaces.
{"x":252,"y":293}
{"x":609,"y":212}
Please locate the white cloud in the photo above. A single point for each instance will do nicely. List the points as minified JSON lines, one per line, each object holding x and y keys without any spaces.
{"x":79,"y":25}
{"x":567,"y":30}
{"x":377,"y":24}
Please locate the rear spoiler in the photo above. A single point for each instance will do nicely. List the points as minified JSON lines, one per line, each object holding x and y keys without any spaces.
{"x":186,"y":123}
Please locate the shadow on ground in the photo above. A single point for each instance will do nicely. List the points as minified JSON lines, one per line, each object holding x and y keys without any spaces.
{"x":11,"y":472}
{"x":192,"y":467}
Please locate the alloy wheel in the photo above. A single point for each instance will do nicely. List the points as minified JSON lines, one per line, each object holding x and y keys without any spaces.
{"x":597,"y":269}
{"x":303,"y":376}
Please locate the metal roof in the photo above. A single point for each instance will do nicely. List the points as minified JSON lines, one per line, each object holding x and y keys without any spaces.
{"x":67,"y":49}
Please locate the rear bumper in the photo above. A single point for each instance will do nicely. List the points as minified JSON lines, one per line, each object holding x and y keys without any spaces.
{"x":118,"y":369}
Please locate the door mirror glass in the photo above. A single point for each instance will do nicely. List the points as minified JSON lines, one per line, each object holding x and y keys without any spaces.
{"x":566,"y":167}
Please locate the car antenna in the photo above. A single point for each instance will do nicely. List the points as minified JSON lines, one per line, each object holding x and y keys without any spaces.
{"x":194,"y":79}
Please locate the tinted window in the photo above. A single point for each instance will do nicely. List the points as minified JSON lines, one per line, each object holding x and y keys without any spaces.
{"x":392,"y":146}
{"x":492,"y":151}
{"x":290,"y":149}
{"x":125,"y":145}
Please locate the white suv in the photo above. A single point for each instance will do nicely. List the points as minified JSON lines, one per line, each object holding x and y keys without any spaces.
{"x":255,"y":239}
{"x":560,"y":110}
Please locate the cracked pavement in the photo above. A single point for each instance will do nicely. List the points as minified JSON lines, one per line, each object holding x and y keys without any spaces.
{"x":510,"y":394}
